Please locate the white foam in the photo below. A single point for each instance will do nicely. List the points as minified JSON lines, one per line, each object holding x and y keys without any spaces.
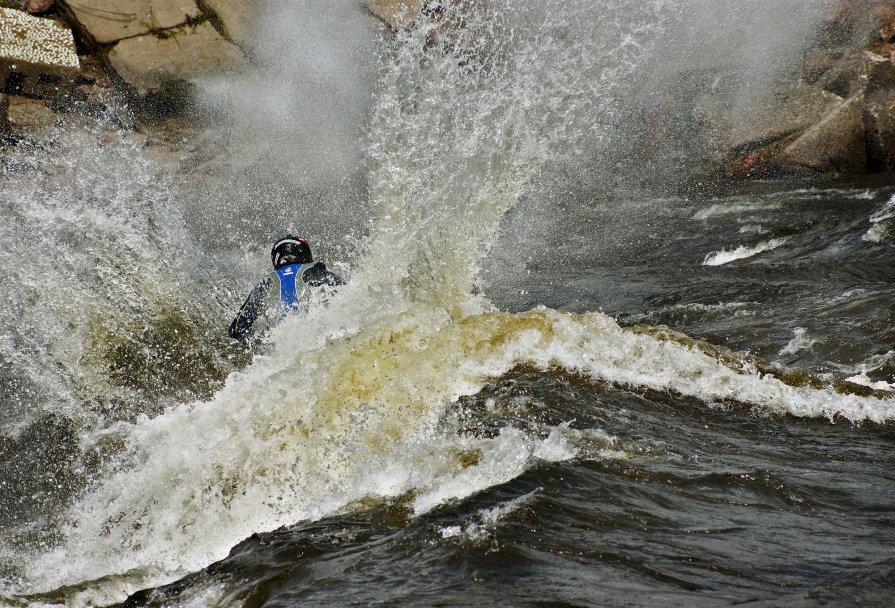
{"x":719,"y":258}
{"x":800,"y":341}
{"x":864,"y":380}
{"x":881,"y":223}
{"x":485,"y":522}
{"x":735,"y":206}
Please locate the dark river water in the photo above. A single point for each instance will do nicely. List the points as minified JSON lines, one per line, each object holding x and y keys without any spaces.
{"x":570,"y":366}
{"x":668,"y":499}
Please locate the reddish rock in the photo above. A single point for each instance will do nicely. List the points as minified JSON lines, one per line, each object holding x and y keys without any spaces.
{"x":760,"y":163}
{"x":36,"y":7}
{"x":885,"y":20}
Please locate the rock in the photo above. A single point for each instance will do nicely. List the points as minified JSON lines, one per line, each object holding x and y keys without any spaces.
{"x":397,"y":14}
{"x":879,"y":125}
{"x":107,"y":22}
{"x":4,"y":110}
{"x":817,"y":63}
{"x":788,"y":111}
{"x":38,"y":6}
{"x":880,"y":74}
{"x":848,"y":75}
{"x":238,"y":17}
{"x":759,"y":163}
{"x":885,"y":21}
{"x":835,"y":144}
{"x":845,"y":23}
{"x":36,"y":41}
{"x":186,"y":53}
{"x":37,"y":56}
{"x":29,"y":115}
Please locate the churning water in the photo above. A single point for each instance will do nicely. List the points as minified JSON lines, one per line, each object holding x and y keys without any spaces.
{"x":561,"y":372}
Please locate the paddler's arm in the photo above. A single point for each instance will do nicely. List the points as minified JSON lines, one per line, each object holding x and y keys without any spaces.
{"x":318,"y":275}
{"x":252,"y":308}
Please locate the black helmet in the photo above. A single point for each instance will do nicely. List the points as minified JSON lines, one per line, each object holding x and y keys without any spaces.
{"x":290,"y":250}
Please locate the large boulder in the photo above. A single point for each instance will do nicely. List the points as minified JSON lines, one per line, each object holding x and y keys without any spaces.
{"x":187,"y":53}
{"x":786,"y":112}
{"x":106,"y":22}
{"x":238,"y":18}
{"x":835,"y":144}
{"x":37,"y":55}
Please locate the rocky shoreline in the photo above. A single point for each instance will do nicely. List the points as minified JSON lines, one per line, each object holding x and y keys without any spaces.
{"x":57,"y":58}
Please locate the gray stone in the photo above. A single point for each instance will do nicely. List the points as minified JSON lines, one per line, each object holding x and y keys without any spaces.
{"x":187,"y":53}
{"x":112,"y":20}
{"x":397,"y":14}
{"x":239,"y":18}
{"x":835,"y":144}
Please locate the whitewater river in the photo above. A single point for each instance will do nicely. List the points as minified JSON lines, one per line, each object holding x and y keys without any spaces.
{"x":566,"y":370}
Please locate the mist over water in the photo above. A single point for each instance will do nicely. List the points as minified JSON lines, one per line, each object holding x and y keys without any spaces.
{"x":446,"y":170}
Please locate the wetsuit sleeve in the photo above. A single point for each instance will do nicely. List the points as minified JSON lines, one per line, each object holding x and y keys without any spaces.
{"x":252,"y":308}
{"x":318,"y":275}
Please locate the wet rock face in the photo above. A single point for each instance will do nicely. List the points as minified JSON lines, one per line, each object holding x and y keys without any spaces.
{"x":30,"y":115}
{"x":854,"y":132}
{"x":151,"y":43}
{"x":107,"y":22}
{"x":238,"y":18}
{"x":835,"y":144}
{"x":396,"y":14}
{"x":146,"y":62}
